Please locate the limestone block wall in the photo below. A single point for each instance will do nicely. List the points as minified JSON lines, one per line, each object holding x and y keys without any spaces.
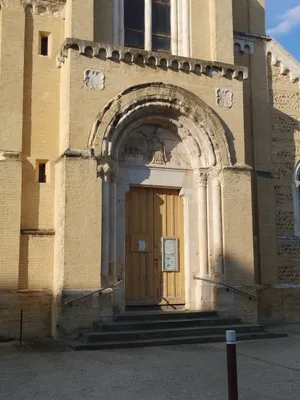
{"x":29,"y":131}
{"x":77,"y":253}
{"x":238,"y":227}
{"x":285,"y":115}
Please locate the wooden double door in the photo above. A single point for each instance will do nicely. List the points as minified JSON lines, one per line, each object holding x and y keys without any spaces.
{"x":153,"y":214}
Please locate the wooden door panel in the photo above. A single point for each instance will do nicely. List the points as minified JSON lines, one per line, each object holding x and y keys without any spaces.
{"x":151,"y":214}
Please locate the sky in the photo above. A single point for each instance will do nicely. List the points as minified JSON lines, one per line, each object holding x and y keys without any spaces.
{"x":283,"y":23}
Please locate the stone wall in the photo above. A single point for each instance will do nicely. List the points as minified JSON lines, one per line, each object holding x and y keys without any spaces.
{"x":36,"y":307}
{"x":284,"y":95}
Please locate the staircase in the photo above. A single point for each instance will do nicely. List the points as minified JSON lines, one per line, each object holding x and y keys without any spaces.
{"x":137,"y":329}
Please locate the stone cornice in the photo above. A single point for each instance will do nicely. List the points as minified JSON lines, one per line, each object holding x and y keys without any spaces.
{"x":151,"y":58}
{"x":281,"y":57}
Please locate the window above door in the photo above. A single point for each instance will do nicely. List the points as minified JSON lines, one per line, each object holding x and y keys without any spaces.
{"x":158,"y":25}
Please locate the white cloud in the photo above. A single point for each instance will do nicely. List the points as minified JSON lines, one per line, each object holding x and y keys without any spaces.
{"x":289,"y":21}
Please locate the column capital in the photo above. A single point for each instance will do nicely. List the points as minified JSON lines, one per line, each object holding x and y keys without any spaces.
{"x":105,"y":172}
{"x":201,"y":178}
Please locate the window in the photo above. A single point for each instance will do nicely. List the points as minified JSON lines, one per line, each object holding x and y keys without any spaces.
{"x":44,"y":44}
{"x":161,"y":25}
{"x":159,"y":19}
{"x":134,"y":23}
{"x":41,"y":171}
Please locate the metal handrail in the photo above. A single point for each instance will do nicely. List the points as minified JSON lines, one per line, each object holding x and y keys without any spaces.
{"x":251,"y":296}
{"x":103,"y":290}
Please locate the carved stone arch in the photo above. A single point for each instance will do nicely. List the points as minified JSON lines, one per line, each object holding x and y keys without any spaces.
{"x":197,"y":123}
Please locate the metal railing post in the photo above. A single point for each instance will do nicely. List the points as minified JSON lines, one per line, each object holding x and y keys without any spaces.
{"x":21,"y":326}
{"x":231,"y":365}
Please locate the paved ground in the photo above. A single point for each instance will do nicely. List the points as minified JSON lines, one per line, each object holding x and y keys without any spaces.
{"x":268,"y":369}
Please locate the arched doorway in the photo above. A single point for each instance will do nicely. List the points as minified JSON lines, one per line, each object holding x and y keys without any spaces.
{"x":160,"y":150}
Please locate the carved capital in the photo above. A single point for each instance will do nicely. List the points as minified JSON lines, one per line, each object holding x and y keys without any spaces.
{"x":106,"y":172}
{"x":201,"y":179}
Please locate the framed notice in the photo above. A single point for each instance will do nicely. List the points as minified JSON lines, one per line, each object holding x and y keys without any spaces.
{"x":169,"y":254}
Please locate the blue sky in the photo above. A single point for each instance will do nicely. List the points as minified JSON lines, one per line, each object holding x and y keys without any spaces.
{"x":283,"y":23}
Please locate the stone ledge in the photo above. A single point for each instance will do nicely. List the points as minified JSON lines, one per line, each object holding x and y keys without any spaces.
{"x":153,"y":59}
{"x":38,"y":232}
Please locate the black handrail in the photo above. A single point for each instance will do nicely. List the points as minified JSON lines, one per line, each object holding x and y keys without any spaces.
{"x":103,"y":290}
{"x":234,"y":289}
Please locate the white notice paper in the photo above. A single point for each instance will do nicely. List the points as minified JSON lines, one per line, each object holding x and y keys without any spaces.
{"x":142,"y":245}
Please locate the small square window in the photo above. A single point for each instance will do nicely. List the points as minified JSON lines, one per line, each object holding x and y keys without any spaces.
{"x":41,"y":171}
{"x":44,"y":44}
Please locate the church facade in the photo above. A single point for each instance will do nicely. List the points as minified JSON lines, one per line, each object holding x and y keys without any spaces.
{"x":151,"y":142}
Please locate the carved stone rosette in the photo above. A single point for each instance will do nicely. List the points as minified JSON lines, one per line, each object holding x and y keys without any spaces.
{"x":94,"y":80}
{"x":224,"y":98}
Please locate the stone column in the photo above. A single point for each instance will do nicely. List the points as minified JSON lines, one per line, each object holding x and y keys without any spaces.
{"x":148,"y":24}
{"x":203,"y":289}
{"x":217,"y":227}
{"x":121,"y":24}
{"x":106,"y":212}
{"x":174,"y":27}
{"x":201,"y":181}
{"x":186,"y":28}
{"x":113,"y":226}
{"x":116,"y":21}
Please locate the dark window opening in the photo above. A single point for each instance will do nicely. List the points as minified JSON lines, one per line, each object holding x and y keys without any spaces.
{"x":44,"y":45}
{"x":161,"y":25}
{"x":134,"y":23}
{"x":42,"y":172}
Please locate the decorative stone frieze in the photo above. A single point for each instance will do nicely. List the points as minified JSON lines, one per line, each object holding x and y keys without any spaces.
{"x":153,"y":59}
{"x":53,"y":8}
{"x":224,"y":98}
{"x":94,"y":80}
{"x":280,"y":57}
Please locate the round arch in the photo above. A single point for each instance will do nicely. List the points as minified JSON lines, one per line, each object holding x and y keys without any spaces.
{"x":204,"y":135}
{"x":196,"y":123}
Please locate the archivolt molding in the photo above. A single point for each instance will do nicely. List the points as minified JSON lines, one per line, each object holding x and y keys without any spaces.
{"x":198,"y":125}
{"x":53,"y":8}
{"x":281,"y":57}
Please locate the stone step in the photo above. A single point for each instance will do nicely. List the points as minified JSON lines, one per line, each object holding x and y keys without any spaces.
{"x":93,"y":337}
{"x":78,"y":345}
{"x":161,"y":315}
{"x":164,"y":324}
